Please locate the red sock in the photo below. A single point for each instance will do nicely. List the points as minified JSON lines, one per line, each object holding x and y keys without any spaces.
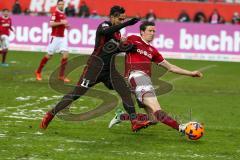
{"x":63,"y":66}
{"x":4,"y":55}
{"x":164,"y":118}
{"x":140,"y":117}
{"x":42,"y":64}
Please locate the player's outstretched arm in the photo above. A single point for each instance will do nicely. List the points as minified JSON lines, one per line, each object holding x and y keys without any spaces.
{"x":178,"y":70}
{"x":55,"y":24}
{"x":112,"y":29}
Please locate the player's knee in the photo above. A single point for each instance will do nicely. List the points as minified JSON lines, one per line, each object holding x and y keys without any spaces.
{"x":49,"y":56}
{"x":65,"y":55}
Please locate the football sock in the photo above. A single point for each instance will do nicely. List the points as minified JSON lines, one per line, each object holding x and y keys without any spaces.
{"x":63,"y":66}
{"x":130,"y":109}
{"x":140,"y":117}
{"x":69,"y":98}
{"x":42,"y":64}
{"x":4,"y":55}
{"x":164,"y":118}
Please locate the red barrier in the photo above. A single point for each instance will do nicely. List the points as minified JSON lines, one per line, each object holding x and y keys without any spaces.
{"x":169,"y":10}
{"x":9,"y":4}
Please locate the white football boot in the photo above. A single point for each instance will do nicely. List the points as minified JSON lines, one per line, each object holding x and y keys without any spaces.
{"x":116,"y":119}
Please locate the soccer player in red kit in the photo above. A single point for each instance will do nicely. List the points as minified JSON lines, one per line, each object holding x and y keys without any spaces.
{"x":5,"y":28}
{"x":58,"y":42}
{"x":138,"y":71}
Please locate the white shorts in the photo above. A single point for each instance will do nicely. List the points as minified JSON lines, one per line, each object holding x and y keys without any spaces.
{"x":4,"y":43}
{"x":57,"y":45}
{"x":141,"y":84}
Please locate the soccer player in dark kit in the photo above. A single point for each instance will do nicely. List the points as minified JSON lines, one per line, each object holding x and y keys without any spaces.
{"x":101,"y":68}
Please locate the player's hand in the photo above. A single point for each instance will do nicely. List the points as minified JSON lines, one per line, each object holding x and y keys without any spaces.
{"x":196,"y":74}
{"x":64,"y":22}
{"x":123,"y":39}
{"x":67,"y":26}
{"x":132,"y":21}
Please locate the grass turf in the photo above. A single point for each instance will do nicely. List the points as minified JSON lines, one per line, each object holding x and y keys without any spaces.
{"x":214,"y":100}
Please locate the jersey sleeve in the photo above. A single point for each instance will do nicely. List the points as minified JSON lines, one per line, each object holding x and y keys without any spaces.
{"x":10,"y":27}
{"x":157,"y":57}
{"x":130,"y":39}
{"x":53,"y":17}
{"x":0,"y":26}
{"x":106,"y":29}
{"x":103,"y":27}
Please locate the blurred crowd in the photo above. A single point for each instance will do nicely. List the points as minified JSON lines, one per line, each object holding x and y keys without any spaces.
{"x":84,"y":12}
{"x":214,"y":18}
{"x":70,"y":11}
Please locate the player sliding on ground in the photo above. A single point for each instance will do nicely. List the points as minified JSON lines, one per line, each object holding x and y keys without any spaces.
{"x":101,"y":68}
{"x":58,"y":42}
{"x":138,"y":71}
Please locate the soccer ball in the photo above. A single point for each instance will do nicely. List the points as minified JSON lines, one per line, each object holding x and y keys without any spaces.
{"x":194,"y":130}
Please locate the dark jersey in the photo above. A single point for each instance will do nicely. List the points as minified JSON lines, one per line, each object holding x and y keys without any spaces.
{"x":99,"y":68}
{"x":101,"y":62}
{"x":104,"y":34}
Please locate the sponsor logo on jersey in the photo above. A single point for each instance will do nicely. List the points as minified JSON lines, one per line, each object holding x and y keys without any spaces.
{"x":150,"y":49}
{"x":138,"y":42}
{"x":145,"y":53}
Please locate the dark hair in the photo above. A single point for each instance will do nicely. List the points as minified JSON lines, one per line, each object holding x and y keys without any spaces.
{"x":145,"y":24}
{"x":5,"y":9}
{"x":60,"y":1}
{"x":116,"y":11}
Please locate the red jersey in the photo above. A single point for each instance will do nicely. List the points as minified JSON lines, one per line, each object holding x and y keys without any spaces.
{"x":58,"y":16}
{"x":5,"y":25}
{"x":143,"y":57}
{"x":0,"y":30}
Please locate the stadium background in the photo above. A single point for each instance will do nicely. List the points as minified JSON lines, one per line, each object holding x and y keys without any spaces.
{"x":213,"y":100}
{"x":219,"y":43}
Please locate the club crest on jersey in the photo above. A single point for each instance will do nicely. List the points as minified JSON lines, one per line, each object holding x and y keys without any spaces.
{"x":145,"y":53}
{"x":53,"y":18}
{"x":105,"y":25}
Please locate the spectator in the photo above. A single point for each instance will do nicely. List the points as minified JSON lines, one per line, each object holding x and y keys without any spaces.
{"x":17,"y":8}
{"x":94,"y":15}
{"x":151,"y":16}
{"x":84,"y":10}
{"x":200,"y":17}
{"x":184,"y":17}
{"x":236,"y":18}
{"x":27,"y":12}
{"x":222,"y":20}
{"x":215,"y":18}
{"x":70,"y":10}
{"x":138,"y":16}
